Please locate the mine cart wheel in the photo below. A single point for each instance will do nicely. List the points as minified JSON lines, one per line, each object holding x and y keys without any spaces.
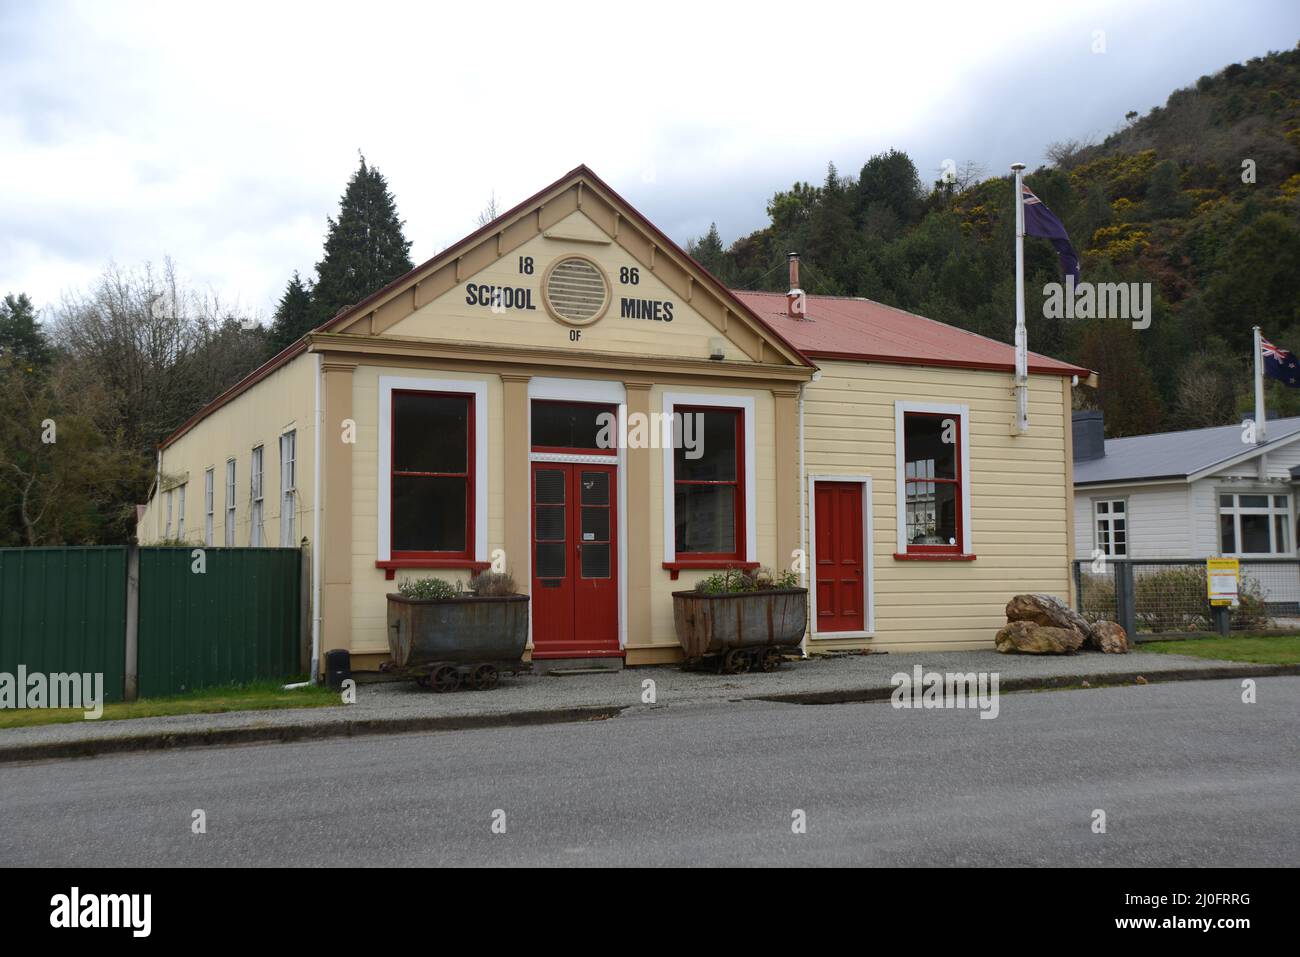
{"x":737,"y":661}
{"x":770,"y":660}
{"x":445,"y":678}
{"x":484,"y":678}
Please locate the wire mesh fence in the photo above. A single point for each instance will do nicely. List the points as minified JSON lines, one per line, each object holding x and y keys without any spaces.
{"x":1170,"y":596}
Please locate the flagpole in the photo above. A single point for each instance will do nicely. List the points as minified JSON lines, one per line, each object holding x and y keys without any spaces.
{"x":1022,"y":348}
{"x":1259,"y":388}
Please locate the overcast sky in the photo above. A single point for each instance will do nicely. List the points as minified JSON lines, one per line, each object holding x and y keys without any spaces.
{"x":223,"y":134}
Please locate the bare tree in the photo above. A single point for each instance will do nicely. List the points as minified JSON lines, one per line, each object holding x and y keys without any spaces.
{"x":490,"y":211}
{"x":1067,"y":154}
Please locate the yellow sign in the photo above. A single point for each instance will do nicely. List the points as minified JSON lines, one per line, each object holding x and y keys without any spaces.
{"x":1221,"y":578}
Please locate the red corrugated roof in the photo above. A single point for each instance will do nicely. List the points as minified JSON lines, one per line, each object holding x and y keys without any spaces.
{"x":838,"y":327}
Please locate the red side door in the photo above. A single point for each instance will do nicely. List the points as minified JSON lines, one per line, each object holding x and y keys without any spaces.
{"x":575,"y":560}
{"x":839,"y":557}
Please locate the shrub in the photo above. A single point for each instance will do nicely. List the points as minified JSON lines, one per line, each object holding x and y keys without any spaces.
{"x":1097,"y":597}
{"x":738,"y":581}
{"x":493,"y":584}
{"x":428,"y":588}
{"x":1176,"y":599}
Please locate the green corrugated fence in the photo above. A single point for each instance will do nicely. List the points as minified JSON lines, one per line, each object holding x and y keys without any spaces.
{"x":63,"y":610}
{"x":236,"y":617}
{"x":236,"y":621}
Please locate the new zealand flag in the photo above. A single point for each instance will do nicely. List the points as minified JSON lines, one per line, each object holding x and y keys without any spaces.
{"x":1041,"y":221}
{"x":1279,"y":363}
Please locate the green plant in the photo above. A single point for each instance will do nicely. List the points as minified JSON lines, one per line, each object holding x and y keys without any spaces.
{"x":493,"y":584}
{"x":738,"y":581}
{"x":426,"y":588}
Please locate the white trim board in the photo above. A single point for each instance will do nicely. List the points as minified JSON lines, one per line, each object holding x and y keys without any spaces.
{"x":869,"y":576}
{"x":384,"y":453}
{"x":962,"y":412}
{"x":746,"y":404}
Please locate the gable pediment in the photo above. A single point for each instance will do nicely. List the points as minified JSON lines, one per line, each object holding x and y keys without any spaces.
{"x":573,"y":267}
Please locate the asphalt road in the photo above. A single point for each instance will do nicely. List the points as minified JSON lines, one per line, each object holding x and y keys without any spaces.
{"x":1186,"y":773}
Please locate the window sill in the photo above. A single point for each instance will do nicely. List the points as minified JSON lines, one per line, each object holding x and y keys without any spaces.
{"x":390,"y":567}
{"x":712,"y":564}
{"x":933,"y":557}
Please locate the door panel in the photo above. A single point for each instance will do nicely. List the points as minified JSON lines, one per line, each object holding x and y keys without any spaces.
{"x":575,"y":560}
{"x":839,"y":570}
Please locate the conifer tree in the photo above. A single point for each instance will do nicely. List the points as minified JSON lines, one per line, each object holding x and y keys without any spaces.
{"x":364,"y":248}
{"x":293,"y":314}
{"x":21,"y":336}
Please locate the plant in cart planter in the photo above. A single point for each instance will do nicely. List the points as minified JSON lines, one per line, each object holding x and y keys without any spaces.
{"x":739,"y":620}
{"x":445,"y":636}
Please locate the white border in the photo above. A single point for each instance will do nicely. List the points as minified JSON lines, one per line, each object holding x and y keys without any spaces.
{"x":744,"y":402}
{"x":584,"y":390}
{"x":385,"y":453}
{"x":869,"y":576}
{"x":900,"y":488}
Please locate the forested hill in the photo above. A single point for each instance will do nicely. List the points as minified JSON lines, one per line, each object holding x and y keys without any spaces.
{"x":1200,"y":198}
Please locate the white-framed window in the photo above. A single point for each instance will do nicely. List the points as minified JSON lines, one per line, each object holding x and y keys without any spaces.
{"x":180,"y":512}
{"x":209,"y":495}
{"x":229,"y":537}
{"x":288,"y":486}
{"x":932,"y":479}
{"x":734,"y":427}
{"x":391,"y":546}
{"x":255,"y":499}
{"x":167,"y":529}
{"x":1110,"y":521}
{"x":1254,"y":523}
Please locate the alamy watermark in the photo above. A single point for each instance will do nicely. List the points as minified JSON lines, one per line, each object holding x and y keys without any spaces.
{"x":79,"y":692}
{"x":652,"y":430}
{"x":929,"y":689}
{"x":1098,"y":300}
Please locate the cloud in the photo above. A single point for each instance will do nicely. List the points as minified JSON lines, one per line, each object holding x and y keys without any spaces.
{"x":223,"y":136}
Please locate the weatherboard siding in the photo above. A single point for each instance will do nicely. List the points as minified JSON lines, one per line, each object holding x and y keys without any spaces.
{"x":1018,"y":488}
{"x":1157,"y":520}
{"x":284,"y":400}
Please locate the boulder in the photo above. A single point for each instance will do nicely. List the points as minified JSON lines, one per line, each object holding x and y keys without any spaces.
{"x":1047,"y":610}
{"x":1031,"y":638}
{"x":1109,"y":637}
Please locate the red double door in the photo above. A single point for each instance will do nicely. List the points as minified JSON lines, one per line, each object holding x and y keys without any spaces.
{"x":839,"y":564}
{"x":575,"y":560}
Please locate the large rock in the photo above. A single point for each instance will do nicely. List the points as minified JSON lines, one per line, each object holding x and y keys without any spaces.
{"x":1031,"y":638}
{"x":1109,"y":637}
{"x":1047,"y":610}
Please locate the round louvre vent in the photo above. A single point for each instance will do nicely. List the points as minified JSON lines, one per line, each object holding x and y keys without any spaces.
{"x":576,"y":291}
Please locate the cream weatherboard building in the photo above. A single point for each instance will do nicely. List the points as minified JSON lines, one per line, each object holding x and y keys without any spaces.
{"x":454,"y":419}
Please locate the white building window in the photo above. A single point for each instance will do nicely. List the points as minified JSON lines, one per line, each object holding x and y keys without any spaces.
{"x":1111,"y":523}
{"x":932,"y":480}
{"x":288,"y":486}
{"x":1254,"y":523}
{"x":180,"y":517}
{"x":230,"y":503}
{"x":167,"y":529}
{"x":209,"y":495}
{"x":255,"y":498}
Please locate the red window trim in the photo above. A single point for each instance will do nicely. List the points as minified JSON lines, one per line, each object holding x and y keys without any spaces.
{"x":676,"y":568}
{"x":463,"y":558}
{"x":938,"y":552}
{"x":561,"y":450}
{"x":715,"y":559}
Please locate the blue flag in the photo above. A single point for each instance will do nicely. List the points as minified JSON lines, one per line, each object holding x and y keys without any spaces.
{"x":1280,"y":364}
{"x":1042,"y":222}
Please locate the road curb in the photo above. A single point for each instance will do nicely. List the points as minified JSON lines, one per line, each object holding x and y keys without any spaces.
{"x":1050,"y":682}
{"x":288,"y":733}
{"x":347,"y":728}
